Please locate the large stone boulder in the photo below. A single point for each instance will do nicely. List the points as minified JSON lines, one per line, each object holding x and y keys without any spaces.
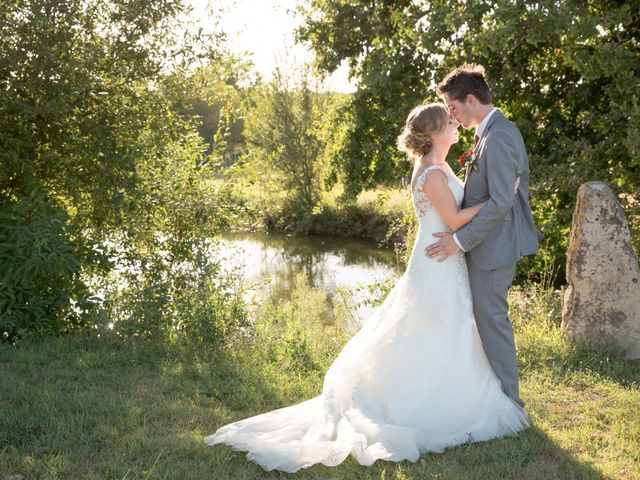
{"x":602,"y":303}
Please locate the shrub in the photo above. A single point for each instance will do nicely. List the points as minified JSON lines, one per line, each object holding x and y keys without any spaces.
{"x":40,"y":290}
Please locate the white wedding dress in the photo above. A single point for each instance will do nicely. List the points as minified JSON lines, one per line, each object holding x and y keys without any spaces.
{"x":413,"y":379}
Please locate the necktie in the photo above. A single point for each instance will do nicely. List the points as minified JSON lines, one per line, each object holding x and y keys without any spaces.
{"x":476,"y":138}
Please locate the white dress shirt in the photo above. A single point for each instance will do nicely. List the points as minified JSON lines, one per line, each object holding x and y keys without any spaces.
{"x":479,"y":131}
{"x":483,"y":124}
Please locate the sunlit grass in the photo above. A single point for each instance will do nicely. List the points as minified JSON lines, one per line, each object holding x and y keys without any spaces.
{"x":94,"y":408}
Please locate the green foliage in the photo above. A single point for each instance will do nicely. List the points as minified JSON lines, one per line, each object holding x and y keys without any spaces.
{"x":39,"y":266}
{"x":383,"y":217}
{"x":290,"y":332}
{"x":211,"y":97}
{"x":78,"y":107}
{"x":377,"y":291}
{"x":170,"y":295}
{"x":565,"y":72}
{"x":88,"y":121}
{"x":286,"y":135}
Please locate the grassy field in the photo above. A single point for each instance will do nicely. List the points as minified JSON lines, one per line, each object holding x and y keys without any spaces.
{"x":85,"y":407}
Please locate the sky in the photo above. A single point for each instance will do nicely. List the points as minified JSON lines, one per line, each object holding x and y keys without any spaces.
{"x":264,"y":28}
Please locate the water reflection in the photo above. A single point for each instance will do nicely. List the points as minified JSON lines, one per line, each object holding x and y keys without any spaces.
{"x":269,"y":264}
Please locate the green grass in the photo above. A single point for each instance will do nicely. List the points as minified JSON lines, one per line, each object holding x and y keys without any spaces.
{"x":106,"y":408}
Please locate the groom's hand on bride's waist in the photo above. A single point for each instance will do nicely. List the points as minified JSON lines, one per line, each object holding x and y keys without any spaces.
{"x":443,"y":248}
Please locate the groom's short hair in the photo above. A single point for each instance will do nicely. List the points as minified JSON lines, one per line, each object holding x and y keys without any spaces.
{"x":465,"y":80}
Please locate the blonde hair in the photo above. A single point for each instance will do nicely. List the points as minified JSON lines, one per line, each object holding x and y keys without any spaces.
{"x":422,"y":124}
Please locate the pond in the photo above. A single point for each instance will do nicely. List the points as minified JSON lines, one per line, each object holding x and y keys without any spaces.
{"x":269,"y":264}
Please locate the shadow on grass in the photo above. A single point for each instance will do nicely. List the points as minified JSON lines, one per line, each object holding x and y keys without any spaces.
{"x":78,"y":403}
{"x":230,"y":383}
{"x":532,"y":455}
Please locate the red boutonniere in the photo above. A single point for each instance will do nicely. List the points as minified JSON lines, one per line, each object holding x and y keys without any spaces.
{"x":468,"y":159}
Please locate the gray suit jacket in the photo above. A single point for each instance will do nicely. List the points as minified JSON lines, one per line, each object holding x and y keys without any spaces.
{"x":503,"y":231}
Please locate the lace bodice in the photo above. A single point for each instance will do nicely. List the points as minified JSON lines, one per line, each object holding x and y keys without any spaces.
{"x":430,"y":222}
{"x":423,"y":208}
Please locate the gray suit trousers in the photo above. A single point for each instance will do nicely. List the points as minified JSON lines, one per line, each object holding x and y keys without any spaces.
{"x":489,"y":289}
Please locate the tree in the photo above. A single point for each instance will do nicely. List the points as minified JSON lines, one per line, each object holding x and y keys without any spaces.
{"x":212,"y":97}
{"x":284,"y":135}
{"x":566,"y":72}
{"x":93,"y":155}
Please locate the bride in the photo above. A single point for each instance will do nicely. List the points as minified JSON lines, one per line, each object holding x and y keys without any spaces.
{"x":415,"y":378}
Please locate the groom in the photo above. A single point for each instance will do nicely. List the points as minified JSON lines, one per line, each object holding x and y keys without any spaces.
{"x":503,"y":231}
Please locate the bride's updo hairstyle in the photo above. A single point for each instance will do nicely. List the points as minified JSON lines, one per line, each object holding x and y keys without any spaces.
{"x":422,"y":124}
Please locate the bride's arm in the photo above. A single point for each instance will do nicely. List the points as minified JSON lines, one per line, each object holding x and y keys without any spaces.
{"x":437,"y":190}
